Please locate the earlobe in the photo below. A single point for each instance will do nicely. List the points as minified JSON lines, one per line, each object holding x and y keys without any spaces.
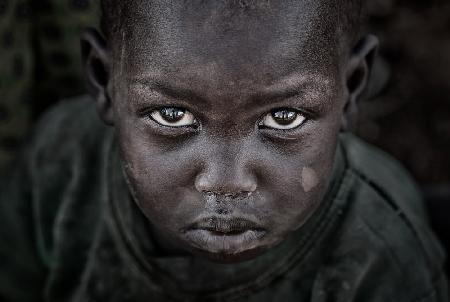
{"x":96,"y":62}
{"x":357,"y":76}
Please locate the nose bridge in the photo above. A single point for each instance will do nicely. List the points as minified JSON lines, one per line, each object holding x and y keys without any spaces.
{"x":226,"y":169}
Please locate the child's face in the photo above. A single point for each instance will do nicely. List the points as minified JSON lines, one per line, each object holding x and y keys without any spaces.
{"x":227,"y":120}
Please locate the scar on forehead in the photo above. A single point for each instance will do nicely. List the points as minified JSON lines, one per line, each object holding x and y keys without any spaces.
{"x":309,"y":179}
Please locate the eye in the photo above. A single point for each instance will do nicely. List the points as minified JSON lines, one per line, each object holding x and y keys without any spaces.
{"x":283,"y":119}
{"x":173,"y":117}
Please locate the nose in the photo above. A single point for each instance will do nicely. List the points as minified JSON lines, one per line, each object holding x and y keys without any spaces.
{"x":226,"y":171}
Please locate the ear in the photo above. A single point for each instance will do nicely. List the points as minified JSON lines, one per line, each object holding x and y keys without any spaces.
{"x":359,"y":67}
{"x":96,"y":60}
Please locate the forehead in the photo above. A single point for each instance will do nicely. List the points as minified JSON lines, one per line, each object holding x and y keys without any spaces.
{"x":229,"y":40}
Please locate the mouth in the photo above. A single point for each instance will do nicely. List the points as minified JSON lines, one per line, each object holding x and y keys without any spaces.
{"x":226,"y":236}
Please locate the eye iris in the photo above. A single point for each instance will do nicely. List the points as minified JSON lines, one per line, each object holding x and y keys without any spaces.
{"x":172,"y":115}
{"x":284,"y":117}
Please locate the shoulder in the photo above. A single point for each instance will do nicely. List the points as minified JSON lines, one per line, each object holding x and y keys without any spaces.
{"x":385,"y":247}
{"x":68,"y":141}
{"x":385,"y":187}
{"x":66,"y":163}
{"x":69,"y":138}
{"x":70,"y":122}
{"x":386,"y":224}
{"x":383,"y":173}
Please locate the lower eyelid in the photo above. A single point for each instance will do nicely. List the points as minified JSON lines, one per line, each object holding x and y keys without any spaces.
{"x":289,"y":130}
{"x":170,"y":132}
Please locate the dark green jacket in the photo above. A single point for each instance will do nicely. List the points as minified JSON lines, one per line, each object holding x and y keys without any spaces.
{"x":70,"y":232}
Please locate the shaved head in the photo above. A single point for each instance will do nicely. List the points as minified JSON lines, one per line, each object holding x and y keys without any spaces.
{"x":342,"y":18}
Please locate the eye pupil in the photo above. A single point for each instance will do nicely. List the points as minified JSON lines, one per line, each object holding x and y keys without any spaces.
{"x":172,"y":115}
{"x":284,"y":117}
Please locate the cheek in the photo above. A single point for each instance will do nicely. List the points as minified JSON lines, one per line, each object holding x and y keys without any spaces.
{"x":295,"y":197}
{"x":161,"y":181}
{"x":300,"y":181}
{"x":298,"y":197}
{"x":310,"y":179}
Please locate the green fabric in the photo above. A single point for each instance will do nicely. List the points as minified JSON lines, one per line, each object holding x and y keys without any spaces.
{"x":71,"y":232}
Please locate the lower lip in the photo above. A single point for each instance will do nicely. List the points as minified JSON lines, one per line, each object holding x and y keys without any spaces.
{"x":224,"y":243}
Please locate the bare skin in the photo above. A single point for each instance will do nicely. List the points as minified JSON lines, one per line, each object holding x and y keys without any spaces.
{"x":227,"y":118}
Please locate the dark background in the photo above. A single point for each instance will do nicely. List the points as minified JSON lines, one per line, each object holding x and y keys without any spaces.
{"x":407,"y":111}
{"x":409,"y":114}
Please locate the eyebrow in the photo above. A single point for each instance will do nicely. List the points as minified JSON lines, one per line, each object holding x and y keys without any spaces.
{"x":175,"y":92}
{"x":307,"y":86}
{"x":279,"y":92}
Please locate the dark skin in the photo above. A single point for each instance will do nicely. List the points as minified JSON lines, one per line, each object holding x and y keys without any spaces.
{"x":227,"y":118}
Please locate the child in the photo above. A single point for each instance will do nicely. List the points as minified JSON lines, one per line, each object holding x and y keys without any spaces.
{"x":225,"y":174}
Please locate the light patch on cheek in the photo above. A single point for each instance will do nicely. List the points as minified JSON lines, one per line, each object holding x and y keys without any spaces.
{"x":309,"y":179}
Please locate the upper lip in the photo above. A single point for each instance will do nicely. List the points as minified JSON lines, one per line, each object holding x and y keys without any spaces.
{"x":225,"y":225}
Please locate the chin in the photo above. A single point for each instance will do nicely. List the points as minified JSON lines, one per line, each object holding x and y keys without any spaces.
{"x":227,"y":258}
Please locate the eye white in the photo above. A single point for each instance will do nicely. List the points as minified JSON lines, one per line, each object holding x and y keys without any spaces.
{"x":188,"y":119}
{"x":269,"y":122}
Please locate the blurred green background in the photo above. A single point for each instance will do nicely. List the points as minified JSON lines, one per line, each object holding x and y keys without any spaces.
{"x":39,"y":62}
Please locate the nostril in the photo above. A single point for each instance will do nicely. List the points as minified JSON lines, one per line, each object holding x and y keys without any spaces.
{"x":209,"y":193}
{"x":227,"y":196}
{"x":238,"y":195}
{"x":223,"y":211}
